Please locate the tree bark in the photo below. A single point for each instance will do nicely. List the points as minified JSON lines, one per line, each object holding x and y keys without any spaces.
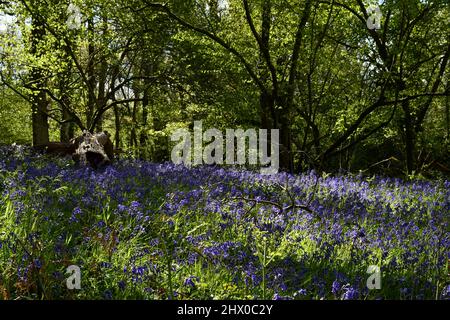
{"x":91,"y":78}
{"x":95,"y":150}
{"x":39,"y":97}
{"x":409,"y":137}
{"x":133,"y":135}
{"x":102,"y":78}
{"x":447,"y":115}
{"x":117,"y":127}
{"x":67,"y":130}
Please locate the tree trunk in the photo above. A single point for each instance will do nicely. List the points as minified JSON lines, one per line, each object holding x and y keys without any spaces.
{"x":447,"y":115}
{"x":133,"y":135}
{"x":117,"y":127}
{"x":39,"y":97}
{"x":91,"y":78}
{"x":143,"y":134}
{"x":40,"y":119}
{"x":102,"y":77}
{"x":147,"y":69}
{"x":286,"y":156}
{"x":67,"y":131}
{"x":409,"y":137}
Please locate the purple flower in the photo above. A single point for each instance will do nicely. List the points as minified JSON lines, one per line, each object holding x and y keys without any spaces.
{"x":189,"y":282}
{"x":37,"y":263}
{"x":75,"y":215}
{"x":101,"y":224}
{"x":107,"y":295}
{"x":405,"y":291}
{"x":135,"y":205}
{"x":446,"y":292}
{"x":122,"y":285}
{"x":276,"y":296}
{"x":301,"y":292}
{"x":350,"y":293}
{"x":336,"y":287}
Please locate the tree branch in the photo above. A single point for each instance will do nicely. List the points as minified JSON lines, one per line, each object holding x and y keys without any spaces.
{"x":20,"y":94}
{"x":437,"y":82}
{"x":262,"y":47}
{"x":296,"y":50}
{"x":365,"y":136}
{"x":103,"y":109}
{"x":379,"y":103}
{"x":164,"y":8}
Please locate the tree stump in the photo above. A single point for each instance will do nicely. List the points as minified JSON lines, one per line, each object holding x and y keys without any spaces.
{"x":95,"y":150}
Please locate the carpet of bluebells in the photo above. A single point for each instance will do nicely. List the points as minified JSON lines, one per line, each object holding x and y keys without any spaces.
{"x":140,"y":230}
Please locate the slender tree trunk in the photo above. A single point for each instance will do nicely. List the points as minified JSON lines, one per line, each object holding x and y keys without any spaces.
{"x":286,"y":154}
{"x":265,"y":100}
{"x":285,"y":97}
{"x":39,"y":98}
{"x":133,"y":135}
{"x":447,"y":115}
{"x":147,"y":68}
{"x":117,"y":127}
{"x":409,"y":137}
{"x":269,"y":99}
{"x":143,"y":134}
{"x":91,"y":78}
{"x":67,"y":130}
{"x":102,"y":80}
{"x":40,"y":119}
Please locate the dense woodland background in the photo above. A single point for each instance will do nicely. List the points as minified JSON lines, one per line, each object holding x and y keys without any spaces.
{"x":345,"y":98}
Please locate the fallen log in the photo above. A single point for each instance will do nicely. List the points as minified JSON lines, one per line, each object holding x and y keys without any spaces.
{"x":95,"y":150}
{"x":57,"y":148}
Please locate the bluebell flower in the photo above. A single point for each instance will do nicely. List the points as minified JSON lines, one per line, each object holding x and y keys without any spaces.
{"x":405,"y":291}
{"x":336,"y":287}
{"x":135,"y":205}
{"x":350,"y":293}
{"x":58,"y":275}
{"x":101,"y":224}
{"x":75,"y":214}
{"x":276,"y":296}
{"x":37,"y":263}
{"x":122,"y":285}
{"x":301,"y":292}
{"x":446,"y":292}
{"x":189,"y":281}
{"x":107,"y":295}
